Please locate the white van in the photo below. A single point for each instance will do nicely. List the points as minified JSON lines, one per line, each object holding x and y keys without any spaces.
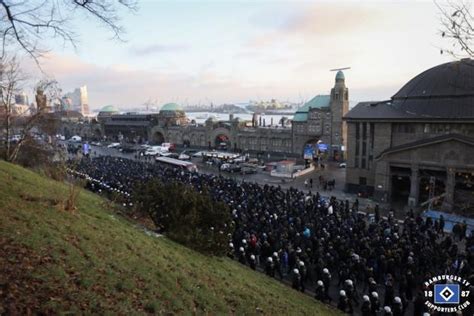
{"x":76,"y":139}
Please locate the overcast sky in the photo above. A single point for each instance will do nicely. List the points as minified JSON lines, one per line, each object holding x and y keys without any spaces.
{"x":234,"y":51}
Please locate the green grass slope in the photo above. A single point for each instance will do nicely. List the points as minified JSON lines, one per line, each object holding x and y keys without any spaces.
{"x":94,"y":261}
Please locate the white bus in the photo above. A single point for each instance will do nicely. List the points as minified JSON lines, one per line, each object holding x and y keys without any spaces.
{"x":176,"y":163}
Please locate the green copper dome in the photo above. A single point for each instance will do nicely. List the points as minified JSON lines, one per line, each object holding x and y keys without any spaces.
{"x":340,"y":75}
{"x":171,"y":107}
{"x":109,"y":109}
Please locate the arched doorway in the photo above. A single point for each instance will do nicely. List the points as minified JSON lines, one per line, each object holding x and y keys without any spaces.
{"x":222,"y":142}
{"x":158,"y":138}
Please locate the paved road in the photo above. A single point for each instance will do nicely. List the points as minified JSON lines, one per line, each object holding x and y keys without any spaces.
{"x":331,"y":171}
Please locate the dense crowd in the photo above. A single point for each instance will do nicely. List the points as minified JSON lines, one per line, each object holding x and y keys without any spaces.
{"x":322,"y":246}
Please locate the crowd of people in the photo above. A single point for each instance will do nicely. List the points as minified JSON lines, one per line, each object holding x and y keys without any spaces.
{"x":324,"y":247}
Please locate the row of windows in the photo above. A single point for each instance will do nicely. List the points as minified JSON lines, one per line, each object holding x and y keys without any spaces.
{"x":318,"y":115}
{"x":449,"y":128}
{"x":263,"y":142}
{"x":434,"y":128}
{"x":404,"y":128}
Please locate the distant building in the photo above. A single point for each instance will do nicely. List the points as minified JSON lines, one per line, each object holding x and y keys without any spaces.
{"x":21,"y":106}
{"x":66,"y":104}
{"x":79,"y":100}
{"x":317,"y":121}
{"x":417,"y":148}
{"x":21,"y":99}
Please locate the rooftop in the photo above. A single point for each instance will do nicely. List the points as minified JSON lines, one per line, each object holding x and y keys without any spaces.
{"x":442,"y":92}
{"x":171,"y":107}
{"x":319,"y":101}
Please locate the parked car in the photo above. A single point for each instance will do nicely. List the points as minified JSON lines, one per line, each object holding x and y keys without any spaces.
{"x":184,"y":156}
{"x":169,"y":146}
{"x":129,"y":149}
{"x":342,"y":165}
{"x":239,"y":159}
{"x":171,"y":155}
{"x":113,"y":145}
{"x":15,"y":139}
{"x":228,"y":167}
{"x":199,"y":154}
{"x":248,"y":168}
{"x":153,"y":151}
{"x":76,"y":139}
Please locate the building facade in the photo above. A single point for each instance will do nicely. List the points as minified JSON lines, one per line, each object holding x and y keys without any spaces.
{"x":79,"y":100}
{"x":318,"y":120}
{"x":416,"y":149}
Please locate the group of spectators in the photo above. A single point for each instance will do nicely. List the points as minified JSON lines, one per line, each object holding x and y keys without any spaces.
{"x":324,"y":247}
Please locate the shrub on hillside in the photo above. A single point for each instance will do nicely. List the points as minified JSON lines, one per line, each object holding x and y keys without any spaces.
{"x":189,"y":217}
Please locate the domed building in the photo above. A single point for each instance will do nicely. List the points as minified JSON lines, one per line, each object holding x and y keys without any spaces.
{"x":416,"y":149}
{"x":172,"y":114}
{"x":106,"y":112}
{"x":318,"y":120}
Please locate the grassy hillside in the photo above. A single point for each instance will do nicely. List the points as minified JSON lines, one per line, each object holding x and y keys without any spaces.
{"x":93,"y":261}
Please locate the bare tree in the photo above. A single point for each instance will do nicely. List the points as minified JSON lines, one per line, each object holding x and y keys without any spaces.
{"x":17,"y":123}
{"x":27,"y":24}
{"x":10,"y":81}
{"x":457,"y":25}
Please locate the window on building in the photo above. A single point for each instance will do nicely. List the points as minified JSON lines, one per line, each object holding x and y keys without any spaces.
{"x":357,"y":131}
{"x":363,"y":163}
{"x":364,"y":131}
{"x":427,"y":128}
{"x":356,"y":162}
{"x":362,"y":181}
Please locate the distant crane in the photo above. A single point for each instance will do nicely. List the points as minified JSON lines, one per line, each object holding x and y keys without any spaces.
{"x":337,"y":69}
{"x":150,"y":103}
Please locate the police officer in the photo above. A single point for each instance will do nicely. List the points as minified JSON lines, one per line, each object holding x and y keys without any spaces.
{"x":374,"y":302}
{"x":366,"y":308}
{"x":269,"y":268}
{"x":296,"y":279}
{"x":253,"y":262}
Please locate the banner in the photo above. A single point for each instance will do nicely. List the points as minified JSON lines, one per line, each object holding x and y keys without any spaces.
{"x":308,"y":152}
{"x":322,"y":147}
